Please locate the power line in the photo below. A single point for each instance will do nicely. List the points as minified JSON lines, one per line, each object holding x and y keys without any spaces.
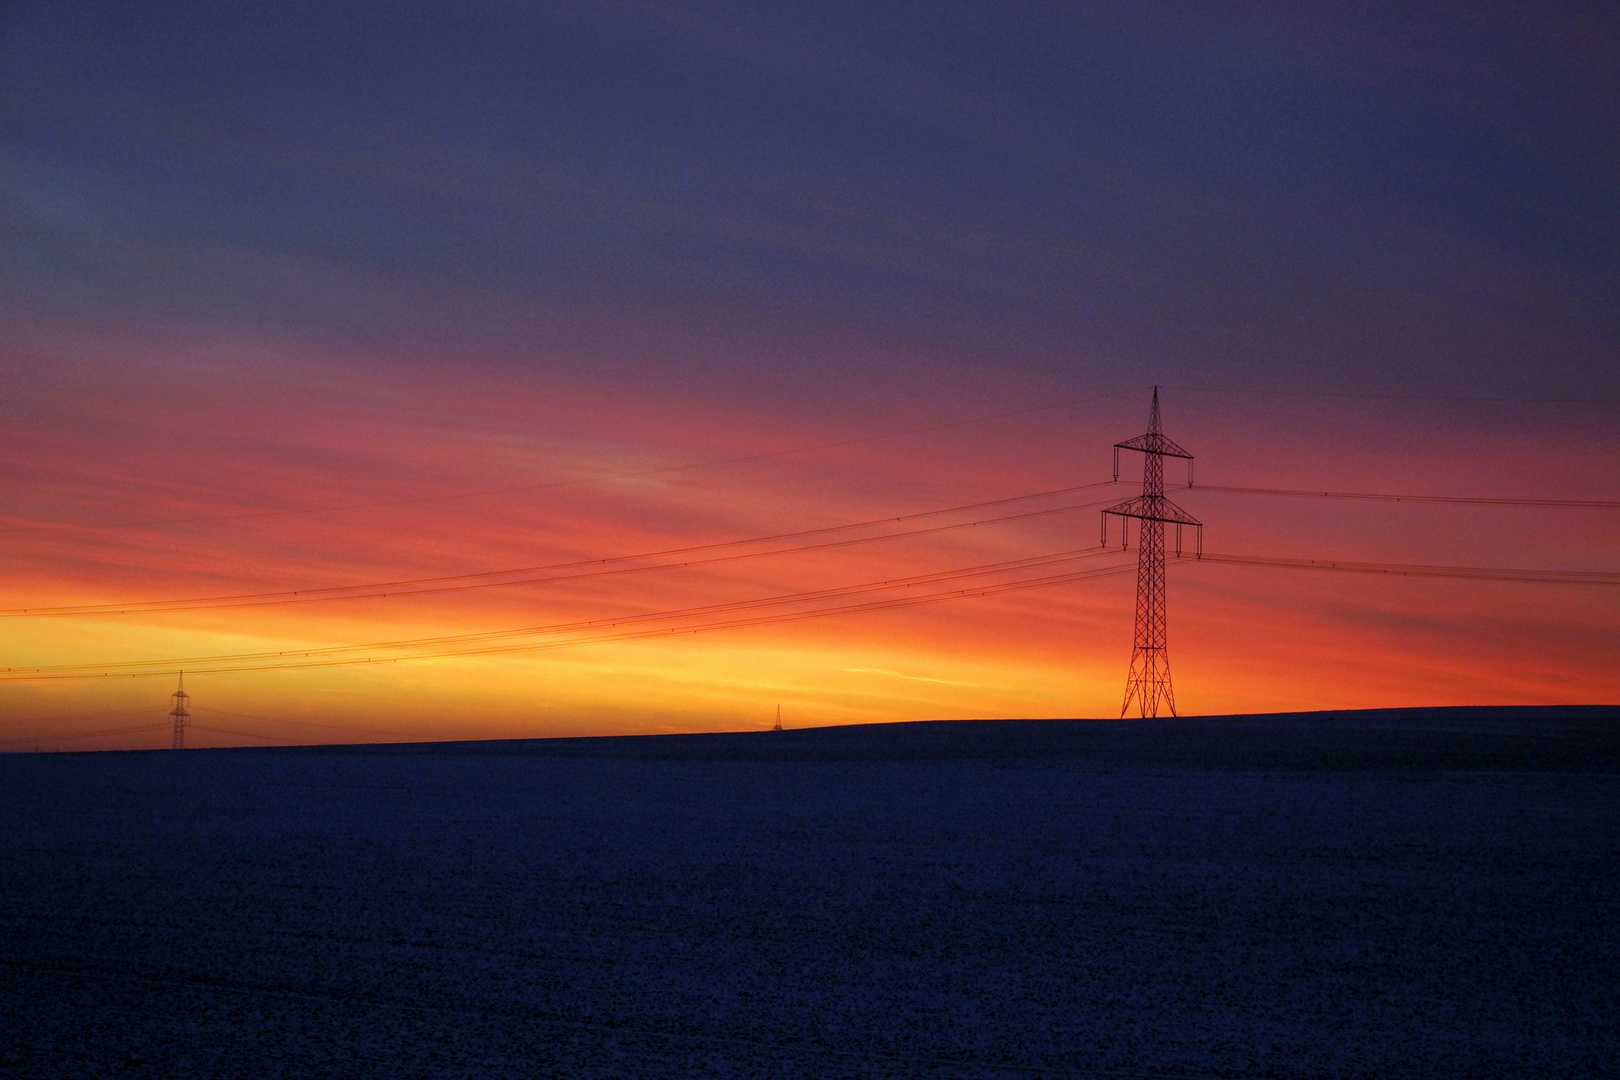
{"x":1466,"y":500}
{"x":62,"y":718}
{"x":71,"y":717}
{"x":408,"y":586}
{"x":480,"y":644}
{"x":131,"y":609}
{"x":53,"y":736}
{"x":248,"y":734}
{"x":1390,"y":397}
{"x":1480,"y":573}
{"x":801,"y":616}
{"x":767,"y":620}
{"x":549,"y":485}
{"x":309,"y":723}
{"x":59,"y":735}
{"x":590,"y":624}
{"x":333,"y":656}
{"x":384,"y":590}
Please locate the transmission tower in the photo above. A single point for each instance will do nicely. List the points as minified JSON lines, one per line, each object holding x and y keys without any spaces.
{"x":778,"y":726}
{"x":1149,"y":680}
{"x":179,"y":714}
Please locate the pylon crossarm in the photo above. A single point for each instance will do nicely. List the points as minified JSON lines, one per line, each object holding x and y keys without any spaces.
{"x":1153,"y":508}
{"x":1153,"y":443}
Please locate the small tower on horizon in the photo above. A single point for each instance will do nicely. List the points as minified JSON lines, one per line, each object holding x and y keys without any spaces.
{"x":778,"y":726}
{"x":179,"y":714}
{"x":1148,"y":682}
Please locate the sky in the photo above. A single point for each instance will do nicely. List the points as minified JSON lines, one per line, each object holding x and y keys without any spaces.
{"x":580,"y":303}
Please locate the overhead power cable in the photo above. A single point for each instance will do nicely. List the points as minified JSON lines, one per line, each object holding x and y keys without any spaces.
{"x":56,"y":735}
{"x":1466,"y":500}
{"x":64,"y":718}
{"x":306,"y":723}
{"x":253,"y":515}
{"x":610,"y":630}
{"x":479,"y":580}
{"x":194,"y":726}
{"x":192,"y":662}
{"x":1480,"y":573}
{"x":467,"y":582}
{"x":498,"y":641}
{"x":786,"y":617}
{"x":801,"y":616}
{"x":1390,"y":397}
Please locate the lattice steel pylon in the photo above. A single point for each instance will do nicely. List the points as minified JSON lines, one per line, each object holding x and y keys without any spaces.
{"x":1149,"y":679}
{"x":179,"y":714}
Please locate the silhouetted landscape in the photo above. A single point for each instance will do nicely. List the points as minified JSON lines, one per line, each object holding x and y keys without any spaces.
{"x":622,"y":430}
{"x":1396,"y":892}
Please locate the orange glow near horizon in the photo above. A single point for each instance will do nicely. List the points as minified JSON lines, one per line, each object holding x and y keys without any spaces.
{"x":422,"y":476}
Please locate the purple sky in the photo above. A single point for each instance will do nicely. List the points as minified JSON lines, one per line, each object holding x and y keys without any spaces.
{"x":314,"y":255}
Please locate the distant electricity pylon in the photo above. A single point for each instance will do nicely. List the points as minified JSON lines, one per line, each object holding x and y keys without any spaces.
{"x":1149,"y":679}
{"x":778,"y":726}
{"x":179,"y":714}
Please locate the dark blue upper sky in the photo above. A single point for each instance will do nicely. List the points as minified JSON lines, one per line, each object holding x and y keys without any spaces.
{"x":1403,"y":198}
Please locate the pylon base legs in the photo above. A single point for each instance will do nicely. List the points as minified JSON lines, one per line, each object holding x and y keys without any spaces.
{"x":1148,"y":683}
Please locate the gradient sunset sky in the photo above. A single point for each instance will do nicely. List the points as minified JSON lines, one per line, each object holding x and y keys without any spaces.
{"x":308,"y":296}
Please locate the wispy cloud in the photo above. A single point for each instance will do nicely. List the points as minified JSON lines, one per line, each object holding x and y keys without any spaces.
{"x":920,"y":678}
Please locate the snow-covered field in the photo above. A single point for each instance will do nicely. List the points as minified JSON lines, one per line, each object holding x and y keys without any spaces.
{"x":1419,"y":894}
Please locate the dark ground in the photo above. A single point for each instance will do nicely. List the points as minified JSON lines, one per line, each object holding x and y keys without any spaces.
{"x":1409,"y":892}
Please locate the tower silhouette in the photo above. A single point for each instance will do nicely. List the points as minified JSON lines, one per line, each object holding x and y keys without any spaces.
{"x":179,"y":714}
{"x":778,"y":726}
{"x":1148,"y":681}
